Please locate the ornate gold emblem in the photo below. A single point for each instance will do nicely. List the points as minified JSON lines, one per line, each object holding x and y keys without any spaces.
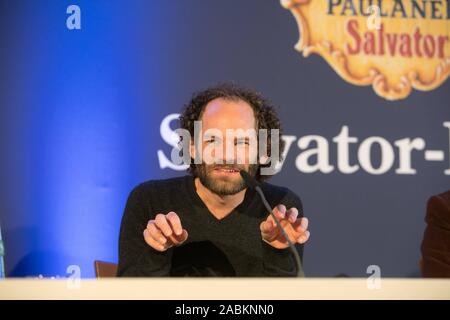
{"x":393,"y":45}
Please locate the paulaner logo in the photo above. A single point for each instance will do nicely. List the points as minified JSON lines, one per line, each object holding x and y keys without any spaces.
{"x":393,"y":45}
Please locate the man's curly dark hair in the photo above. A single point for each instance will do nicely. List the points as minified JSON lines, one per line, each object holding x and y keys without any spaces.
{"x":265,"y":114}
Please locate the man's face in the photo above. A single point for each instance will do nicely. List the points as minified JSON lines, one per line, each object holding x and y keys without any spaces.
{"x":219,"y":116}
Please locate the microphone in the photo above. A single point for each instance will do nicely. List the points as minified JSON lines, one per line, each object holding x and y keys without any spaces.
{"x":253,"y":184}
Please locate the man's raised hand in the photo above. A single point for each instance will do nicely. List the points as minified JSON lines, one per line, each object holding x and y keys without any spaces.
{"x":295,"y":228}
{"x":165,"y":231}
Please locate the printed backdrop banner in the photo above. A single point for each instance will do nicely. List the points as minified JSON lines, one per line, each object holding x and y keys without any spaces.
{"x":91,"y":90}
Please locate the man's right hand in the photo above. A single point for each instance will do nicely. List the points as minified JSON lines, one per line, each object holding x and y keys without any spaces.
{"x":164,"y":232}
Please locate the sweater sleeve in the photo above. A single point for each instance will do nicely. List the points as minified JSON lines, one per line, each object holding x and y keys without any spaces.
{"x":136,"y":257}
{"x":436,"y":240}
{"x":281,"y":262}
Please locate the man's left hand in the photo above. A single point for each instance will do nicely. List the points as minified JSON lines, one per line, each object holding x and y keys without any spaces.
{"x":296,"y":229}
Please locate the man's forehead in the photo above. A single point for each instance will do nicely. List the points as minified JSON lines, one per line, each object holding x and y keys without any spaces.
{"x":228,"y":114}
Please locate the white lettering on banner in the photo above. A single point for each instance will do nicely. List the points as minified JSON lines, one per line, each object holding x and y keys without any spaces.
{"x":314,"y":155}
{"x":321,"y":152}
{"x":171,"y":138}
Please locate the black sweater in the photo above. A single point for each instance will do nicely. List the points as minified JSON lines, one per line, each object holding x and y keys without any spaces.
{"x":231,"y":246}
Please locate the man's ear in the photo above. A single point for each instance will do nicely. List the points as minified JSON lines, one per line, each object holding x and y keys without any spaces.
{"x":192,"y":150}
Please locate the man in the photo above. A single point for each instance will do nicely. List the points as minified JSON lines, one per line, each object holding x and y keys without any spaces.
{"x":435,"y":247}
{"x":209,"y":223}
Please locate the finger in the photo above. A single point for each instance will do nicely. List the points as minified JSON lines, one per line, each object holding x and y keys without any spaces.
{"x":184,"y":235}
{"x":152,"y":242}
{"x":301,"y":225}
{"x":175,"y":222}
{"x":156,"y":234}
{"x":270,"y":220}
{"x":304,"y":222}
{"x":163,"y":225}
{"x":304,"y":237}
{"x":267,"y":226}
{"x":177,"y":240}
{"x":268,"y":232}
{"x":292,"y":214}
{"x":280,"y":211}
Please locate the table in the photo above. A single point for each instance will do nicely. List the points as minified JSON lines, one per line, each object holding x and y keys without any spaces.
{"x":224,"y":288}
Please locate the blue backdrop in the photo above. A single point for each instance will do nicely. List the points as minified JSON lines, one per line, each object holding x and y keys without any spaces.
{"x":81,"y":112}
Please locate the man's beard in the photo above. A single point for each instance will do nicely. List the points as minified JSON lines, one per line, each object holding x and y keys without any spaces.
{"x":224,"y":186}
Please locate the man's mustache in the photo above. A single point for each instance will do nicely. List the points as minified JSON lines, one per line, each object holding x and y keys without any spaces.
{"x":226,"y":167}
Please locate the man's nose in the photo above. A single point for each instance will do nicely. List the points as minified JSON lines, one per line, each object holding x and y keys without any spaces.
{"x":229,"y":153}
